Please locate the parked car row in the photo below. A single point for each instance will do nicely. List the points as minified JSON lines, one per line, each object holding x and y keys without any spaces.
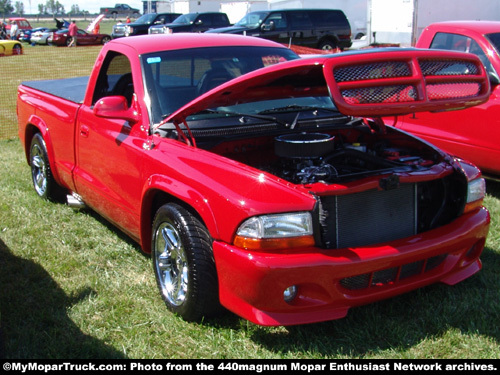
{"x":316,"y":28}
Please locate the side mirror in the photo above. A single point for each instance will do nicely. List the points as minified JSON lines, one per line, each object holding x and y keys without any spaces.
{"x":115,"y":107}
{"x":268,"y":26}
{"x":494,"y":80}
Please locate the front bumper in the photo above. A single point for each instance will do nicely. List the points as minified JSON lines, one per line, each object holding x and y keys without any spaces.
{"x":330,"y":282}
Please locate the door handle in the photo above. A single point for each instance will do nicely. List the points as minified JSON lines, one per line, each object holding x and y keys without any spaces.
{"x":84,"y":131}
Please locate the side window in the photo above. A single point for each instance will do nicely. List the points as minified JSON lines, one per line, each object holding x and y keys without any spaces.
{"x":329,"y":19}
{"x":115,"y":78}
{"x":462,"y":43}
{"x":219,"y":19}
{"x":279,"y":20}
{"x":205,"y":19}
{"x":300,"y":20}
{"x":452,"y":42}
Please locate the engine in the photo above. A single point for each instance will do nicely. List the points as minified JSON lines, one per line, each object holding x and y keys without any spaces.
{"x":305,"y":158}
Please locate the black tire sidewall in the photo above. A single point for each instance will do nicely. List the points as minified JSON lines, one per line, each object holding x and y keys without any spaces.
{"x":202,"y":290}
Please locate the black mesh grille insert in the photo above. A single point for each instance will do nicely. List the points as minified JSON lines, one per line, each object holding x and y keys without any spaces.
{"x":381,"y":94}
{"x":437,"y":67}
{"x":386,"y":69}
{"x":392,"y":275}
{"x":368,"y":218}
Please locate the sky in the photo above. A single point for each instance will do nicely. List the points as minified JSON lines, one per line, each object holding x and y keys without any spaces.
{"x":93,"y":6}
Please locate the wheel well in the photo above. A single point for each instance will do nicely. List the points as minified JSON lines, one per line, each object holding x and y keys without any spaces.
{"x":330,"y":39}
{"x":151,"y":203}
{"x":29,"y":133}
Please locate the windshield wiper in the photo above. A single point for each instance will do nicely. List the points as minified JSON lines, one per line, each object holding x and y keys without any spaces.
{"x":296,"y":107}
{"x":245,"y":115}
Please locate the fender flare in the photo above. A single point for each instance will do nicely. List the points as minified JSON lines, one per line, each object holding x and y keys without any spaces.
{"x":36,"y":122}
{"x":173,"y":191}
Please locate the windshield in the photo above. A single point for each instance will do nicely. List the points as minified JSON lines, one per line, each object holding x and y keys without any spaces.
{"x":174,"y":78}
{"x":252,"y":20}
{"x":147,"y":18}
{"x":281,"y":111}
{"x":495,"y":41}
{"x":185,"y":19}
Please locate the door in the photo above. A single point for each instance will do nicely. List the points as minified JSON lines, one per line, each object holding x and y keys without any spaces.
{"x":110,"y":152}
{"x":275,"y":27}
{"x":302,"y":31}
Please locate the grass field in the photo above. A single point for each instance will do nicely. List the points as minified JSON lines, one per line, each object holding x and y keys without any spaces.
{"x":72,"y":286}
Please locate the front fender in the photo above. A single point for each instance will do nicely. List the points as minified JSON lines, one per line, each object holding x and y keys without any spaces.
{"x":162,"y":186}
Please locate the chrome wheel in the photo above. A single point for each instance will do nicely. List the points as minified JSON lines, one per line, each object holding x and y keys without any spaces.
{"x":183,"y":263}
{"x":39,"y":166}
{"x":41,"y":174}
{"x":171,"y":264}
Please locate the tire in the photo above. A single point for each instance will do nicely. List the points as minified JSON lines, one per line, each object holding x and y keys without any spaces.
{"x":41,"y":174}
{"x":17,"y":49}
{"x":183,"y":264}
{"x":327,"y":45}
{"x":105,"y":40}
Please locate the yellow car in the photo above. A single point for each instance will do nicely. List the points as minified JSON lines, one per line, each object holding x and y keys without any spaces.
{"x":10,"y":47}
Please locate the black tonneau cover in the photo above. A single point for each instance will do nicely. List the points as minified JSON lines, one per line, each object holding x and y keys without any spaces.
{"x":72,"y":89}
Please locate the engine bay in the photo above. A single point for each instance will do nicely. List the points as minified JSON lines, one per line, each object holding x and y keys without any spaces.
{"x":333,"y":156}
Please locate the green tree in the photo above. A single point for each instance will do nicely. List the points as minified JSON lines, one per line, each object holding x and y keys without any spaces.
{"x":75,"y":9}
{"x":6,"y":7}
{"x":54,"y":7}
{"x":19,"y":5}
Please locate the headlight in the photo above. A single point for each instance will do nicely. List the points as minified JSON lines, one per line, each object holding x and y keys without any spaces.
{"x":476,"y":186}
{"x":276,"y":231}
{"x":476,"y":190}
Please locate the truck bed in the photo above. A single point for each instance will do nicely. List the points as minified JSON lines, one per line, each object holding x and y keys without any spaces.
{"x":72,"y":89}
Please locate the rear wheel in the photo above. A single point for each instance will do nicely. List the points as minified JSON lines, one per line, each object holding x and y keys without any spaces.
{"x":327,"y":45}
{"x":183,"y":263}
{"x":106,"y":39}
{"x":41,"y":174}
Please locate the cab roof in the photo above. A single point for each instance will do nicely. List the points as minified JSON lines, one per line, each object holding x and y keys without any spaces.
{"x":144,"y":44}
{"x":482,"y":27}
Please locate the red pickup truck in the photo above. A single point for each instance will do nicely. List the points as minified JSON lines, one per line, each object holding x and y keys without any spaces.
{"x":262,"y":182}
{"x":473,"y":134}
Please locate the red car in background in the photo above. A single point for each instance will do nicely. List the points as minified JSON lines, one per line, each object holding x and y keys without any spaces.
{"x":22,"y":25}
{"x":61,"y":38}
{"x":474,"y":133}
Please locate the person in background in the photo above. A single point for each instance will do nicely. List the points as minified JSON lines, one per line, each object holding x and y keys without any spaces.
{"x":13,"y":30}
{"x":72,"y":32}
{"x":3,"y":31}
{"x":128,"y":20}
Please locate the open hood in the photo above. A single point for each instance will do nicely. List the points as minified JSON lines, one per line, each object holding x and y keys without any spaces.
{"x":371,"y":83}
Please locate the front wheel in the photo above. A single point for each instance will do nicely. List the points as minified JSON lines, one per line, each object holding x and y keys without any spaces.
{"x":106,"y":40}
{"x":183,"y":263}
{"x":17,"y":49}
